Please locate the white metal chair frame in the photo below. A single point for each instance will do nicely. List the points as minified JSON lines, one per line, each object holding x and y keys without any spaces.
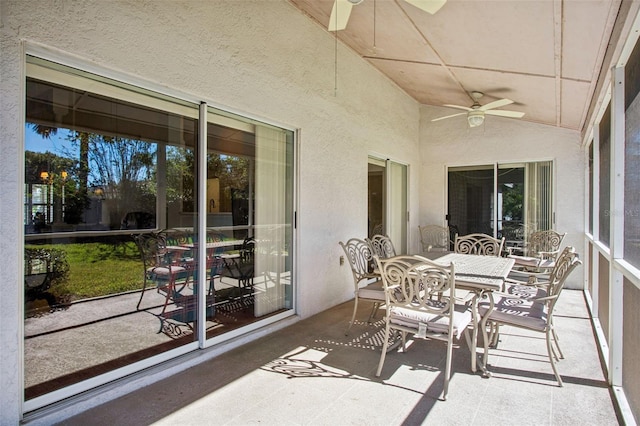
{"x":360,"y":259}
{"x":539,"y":252}
{"x":434,"y":238}
{"x":418,"y":301}
{"x":519,"y":309}
{"x":481,"y":244}
{"x":381,"y":246}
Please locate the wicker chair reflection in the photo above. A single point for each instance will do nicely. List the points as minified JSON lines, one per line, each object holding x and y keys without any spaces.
{"x":360,"y":259}
{"x":172,"y":271}
{"x":163,"y":268}
{"x":481,"y":244}
{"x":240,"y":268}
{"x":418,"y":301}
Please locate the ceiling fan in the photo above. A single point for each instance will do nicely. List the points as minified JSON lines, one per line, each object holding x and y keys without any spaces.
{"x":476,"y":112}
{"x":342,"y":9}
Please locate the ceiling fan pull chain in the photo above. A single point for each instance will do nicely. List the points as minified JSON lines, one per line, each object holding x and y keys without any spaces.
{"x":374,"y":26}
{"x":335,"y":65}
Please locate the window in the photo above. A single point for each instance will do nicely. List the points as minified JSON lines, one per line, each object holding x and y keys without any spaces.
{"x":605,"y":166}
{"x":108,"y":165}
{"x":590,"y":185}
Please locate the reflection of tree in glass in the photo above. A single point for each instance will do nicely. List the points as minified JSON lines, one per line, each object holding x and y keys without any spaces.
{"x":232,"y":172}
{"x":75,"y":193}
{"x":512,"y":201}
{"x":122,"y":168}
{"x":180,"y":177}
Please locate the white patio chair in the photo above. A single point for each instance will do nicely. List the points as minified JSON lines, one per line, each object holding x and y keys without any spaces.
{"x":529,"y":309}
{"x":418,"y":301}
{"x":539,"y":252}
{"x":434,"y":238}
{"x":367,"y":284}
{"x":381,"y":246}
{"x":481,"y":244}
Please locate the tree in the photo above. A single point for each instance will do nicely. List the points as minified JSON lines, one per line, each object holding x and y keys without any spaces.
{"x":120,"y":167}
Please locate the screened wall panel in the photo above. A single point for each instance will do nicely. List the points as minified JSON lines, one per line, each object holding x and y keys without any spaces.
{"x":632,"y":160}
{"x":590,"y":186}
{"x":603,"y":294}
{"x":631,"y":346}
{"x":605,"y":176}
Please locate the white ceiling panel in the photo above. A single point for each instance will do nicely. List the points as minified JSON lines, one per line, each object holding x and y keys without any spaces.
{"x":545,"y":55}
{"x":575,"y":96}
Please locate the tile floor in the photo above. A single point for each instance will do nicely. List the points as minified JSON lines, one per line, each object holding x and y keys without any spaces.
{"x":312,"y":374}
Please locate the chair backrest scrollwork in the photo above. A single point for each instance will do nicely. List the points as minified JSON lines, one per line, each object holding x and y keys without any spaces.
{"x":381,"y":246}
{"x":481,"y":244}
{"x":434,"y":238}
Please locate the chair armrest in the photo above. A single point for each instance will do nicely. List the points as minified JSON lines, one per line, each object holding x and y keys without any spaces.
{"x":547,"y":254}
{"x":514,"y":250}
{"x":508,"y":296}
{"x":532,"y":281}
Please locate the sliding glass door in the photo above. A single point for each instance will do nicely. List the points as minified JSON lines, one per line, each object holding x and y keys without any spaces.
{"x":388,"y":201}
{"x":503,"y":200}
{"x":153,"y":226}
{"x":471,"y":200}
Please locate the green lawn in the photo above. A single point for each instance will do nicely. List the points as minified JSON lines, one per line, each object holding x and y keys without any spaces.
{"x":98,"y":269}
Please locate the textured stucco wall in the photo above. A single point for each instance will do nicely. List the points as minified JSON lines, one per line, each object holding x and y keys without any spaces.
{"x":259,"y":57}
{"x":452,"y":143}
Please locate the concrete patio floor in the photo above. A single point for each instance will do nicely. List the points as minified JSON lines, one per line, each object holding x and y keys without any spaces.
{"x":312,"y":374}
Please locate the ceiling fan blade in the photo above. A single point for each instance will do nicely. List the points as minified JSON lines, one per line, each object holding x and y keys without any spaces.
{"x":459,"y":107}
{"x":503,"y":113}
{"x":449,"y":116}
{"x":429,"y":6}
{"x":496,"y":104}
{"x":340,"y":15}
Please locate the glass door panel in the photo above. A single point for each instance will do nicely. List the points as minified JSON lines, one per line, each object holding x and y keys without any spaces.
{"x":470,"y":193}
{"x":106,"y":165}
{"x":524,"y":201}
{"x":387,"y":201}
{"x":397,"y":210}
{"x":511,"y":190}
{"x":376,"y":205}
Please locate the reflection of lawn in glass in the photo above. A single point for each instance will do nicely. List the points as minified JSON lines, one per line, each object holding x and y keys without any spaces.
{"x":98,"y":269}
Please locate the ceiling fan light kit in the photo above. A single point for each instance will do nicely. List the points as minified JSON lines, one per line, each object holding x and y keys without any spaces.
{"x":476,"y":112}
{"x":475,"y":118}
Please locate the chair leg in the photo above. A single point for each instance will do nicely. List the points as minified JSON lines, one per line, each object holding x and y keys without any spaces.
{"x":447,"y":373}
{"x":552,"y":356}
{"x":353,"y":316}
{"x":374,"y":310}
{"x":486,"y":340}
{"x":494,"y":337}
{"x":144,"y":287}
{"x":556,"y":339}
{"x":387,"y":329}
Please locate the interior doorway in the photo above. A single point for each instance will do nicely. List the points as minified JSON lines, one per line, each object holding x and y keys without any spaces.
{"x":387,"y":201}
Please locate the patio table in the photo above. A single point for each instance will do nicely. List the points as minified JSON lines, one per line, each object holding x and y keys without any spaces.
{"x":480,"y":275}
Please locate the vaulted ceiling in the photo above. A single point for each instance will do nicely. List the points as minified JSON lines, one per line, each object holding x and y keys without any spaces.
{"x":545,"y":55}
